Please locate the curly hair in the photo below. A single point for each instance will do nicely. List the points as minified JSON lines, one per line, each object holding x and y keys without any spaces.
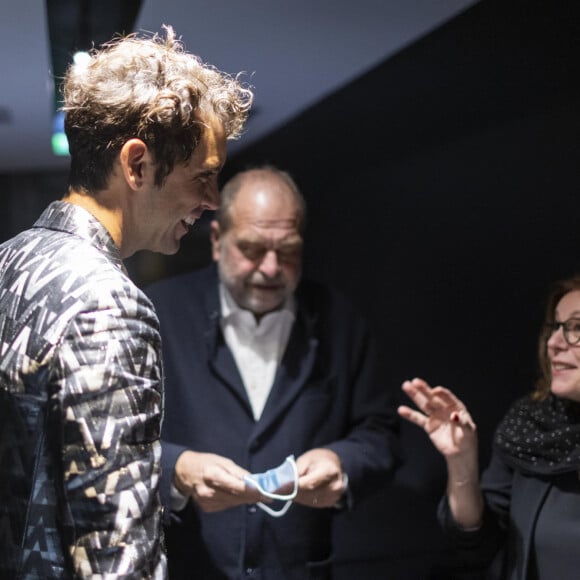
{"x":146,"y":88}
{"x":558,"y":290}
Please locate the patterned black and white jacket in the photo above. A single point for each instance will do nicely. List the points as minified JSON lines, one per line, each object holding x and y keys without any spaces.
{"x":80,"y":407}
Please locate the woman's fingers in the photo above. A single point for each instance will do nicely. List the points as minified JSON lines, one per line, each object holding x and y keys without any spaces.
{"x":463,"y":418}
{"x":419,"y":392}
{"x":429,"y":400}
{"x":438,"y":402}
{"x":413,"y":416}
{"x":448,"y":397}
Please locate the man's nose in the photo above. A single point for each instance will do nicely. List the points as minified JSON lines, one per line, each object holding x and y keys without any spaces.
{"x":269,"y":265}
{"x":211,"y":198}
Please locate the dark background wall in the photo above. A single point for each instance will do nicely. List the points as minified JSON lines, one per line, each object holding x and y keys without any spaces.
{"x":443,"y":199}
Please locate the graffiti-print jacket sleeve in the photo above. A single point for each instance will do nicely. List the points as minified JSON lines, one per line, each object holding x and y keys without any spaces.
{"x":105,"y":377}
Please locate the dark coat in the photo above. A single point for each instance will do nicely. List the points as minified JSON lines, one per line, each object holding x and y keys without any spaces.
{"x":326,"y":394}
{"x":513,"y":501}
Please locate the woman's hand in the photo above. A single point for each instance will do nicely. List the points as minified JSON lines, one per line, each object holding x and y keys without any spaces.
{"x":442,"y":416}
{"x":452,"y":431}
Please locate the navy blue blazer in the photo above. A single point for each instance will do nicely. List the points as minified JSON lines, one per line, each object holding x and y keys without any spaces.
{"x":327,"y":393}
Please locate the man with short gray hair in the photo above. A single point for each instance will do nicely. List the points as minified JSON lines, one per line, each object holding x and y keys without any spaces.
{"x":276,"y":416}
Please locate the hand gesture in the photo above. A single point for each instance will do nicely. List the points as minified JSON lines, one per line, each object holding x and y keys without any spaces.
{"x":442,"y":416}
{"x":452,"y":430}
{"x":214,"y":482}
{"x":320,"y":478}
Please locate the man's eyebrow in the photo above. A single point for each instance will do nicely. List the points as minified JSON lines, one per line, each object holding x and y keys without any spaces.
{"x":293,"y":240}
{"x":209,"y":171}
{"x":276,"y":223}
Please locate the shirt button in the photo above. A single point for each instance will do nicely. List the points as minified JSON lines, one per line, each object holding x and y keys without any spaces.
{"x":252,"y":509}
{"x":249,"y":571}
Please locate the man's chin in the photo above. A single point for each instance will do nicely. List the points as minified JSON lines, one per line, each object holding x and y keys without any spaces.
{"x":167,"y":251}
{"x":170,"y":247}
{"x":261,"y":307}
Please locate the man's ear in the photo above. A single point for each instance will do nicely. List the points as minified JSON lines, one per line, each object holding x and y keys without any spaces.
{"x":215,"y":240}
{"x":135,"y":162}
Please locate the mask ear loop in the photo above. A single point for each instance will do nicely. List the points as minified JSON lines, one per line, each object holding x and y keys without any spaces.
{"x":274,"y":513}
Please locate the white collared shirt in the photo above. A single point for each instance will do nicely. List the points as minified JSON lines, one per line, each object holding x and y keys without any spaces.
{"x":257,"y":347}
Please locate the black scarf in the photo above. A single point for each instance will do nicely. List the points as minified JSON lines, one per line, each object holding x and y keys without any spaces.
{"x":541,"y":437}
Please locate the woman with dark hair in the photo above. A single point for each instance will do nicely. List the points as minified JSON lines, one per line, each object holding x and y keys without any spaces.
{"x":527,"y":501}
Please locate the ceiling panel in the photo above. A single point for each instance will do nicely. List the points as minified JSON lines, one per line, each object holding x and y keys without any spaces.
{"x":294,"y":53}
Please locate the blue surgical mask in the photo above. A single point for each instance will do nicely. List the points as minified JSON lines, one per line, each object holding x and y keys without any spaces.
{"x":280,"y":483}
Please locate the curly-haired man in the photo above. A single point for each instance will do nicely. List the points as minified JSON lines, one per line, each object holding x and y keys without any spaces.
{"x":80,"y":370}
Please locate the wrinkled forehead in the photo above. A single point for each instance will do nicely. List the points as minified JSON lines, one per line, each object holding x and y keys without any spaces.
{"x":289,"y":224}
{"x":265,"y":204}
{"x":268,"y":231}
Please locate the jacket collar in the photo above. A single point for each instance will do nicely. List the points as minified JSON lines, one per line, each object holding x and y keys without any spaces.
{"x":77,"y":221}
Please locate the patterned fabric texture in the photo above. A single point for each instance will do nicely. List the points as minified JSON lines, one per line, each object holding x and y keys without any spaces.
{"x":541,"y":437}
{"x":80,"y":407}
